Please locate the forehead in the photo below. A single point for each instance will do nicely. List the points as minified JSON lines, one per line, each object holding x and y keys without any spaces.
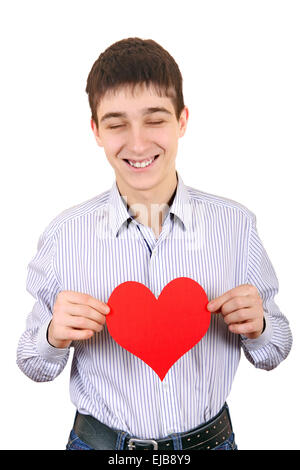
{"x":133,"y":99}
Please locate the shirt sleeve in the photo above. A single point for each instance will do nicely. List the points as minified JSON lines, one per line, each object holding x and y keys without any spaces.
{"x":274,"y":344}
{"x":35,"y":356}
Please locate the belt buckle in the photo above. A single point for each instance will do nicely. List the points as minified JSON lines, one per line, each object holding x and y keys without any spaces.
{"x":131,"y":441}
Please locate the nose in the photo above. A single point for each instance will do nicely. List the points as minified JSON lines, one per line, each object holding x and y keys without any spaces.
{"x":137,"y":142}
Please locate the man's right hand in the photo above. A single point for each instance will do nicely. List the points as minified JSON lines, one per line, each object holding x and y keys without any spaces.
{"x":75,"y":317}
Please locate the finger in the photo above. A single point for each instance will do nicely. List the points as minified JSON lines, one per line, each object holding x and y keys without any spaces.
{"x":216,"y":304}
{"x":86,"y":299}
{"x":239,"y":316}
{"x":86,"y":311}
{"x":236,"y":303}
{"x":246,"y":328}
{"x":82,"y":323}
{"x":72,"y":334}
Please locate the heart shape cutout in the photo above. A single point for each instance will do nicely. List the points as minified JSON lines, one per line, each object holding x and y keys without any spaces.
{"x":158,"y":331}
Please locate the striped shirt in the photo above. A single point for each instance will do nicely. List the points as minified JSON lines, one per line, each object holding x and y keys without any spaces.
{"x":95,"y":246}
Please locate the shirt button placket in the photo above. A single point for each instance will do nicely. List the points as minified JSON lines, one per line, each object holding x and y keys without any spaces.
{"x":153,"y":272}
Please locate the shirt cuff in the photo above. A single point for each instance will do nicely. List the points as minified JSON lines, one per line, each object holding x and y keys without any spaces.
{"x":262,"y":340}
{"x":46,"y":350}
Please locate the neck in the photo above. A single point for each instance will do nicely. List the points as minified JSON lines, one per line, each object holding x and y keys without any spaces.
{"x":150,"y":207}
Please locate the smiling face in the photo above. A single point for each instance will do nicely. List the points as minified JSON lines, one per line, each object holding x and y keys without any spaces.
{"x":139,"y":133}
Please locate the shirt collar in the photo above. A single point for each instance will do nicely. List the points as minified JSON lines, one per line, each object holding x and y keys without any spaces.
{"x":181,"y":206}
{"x":119,"y":214}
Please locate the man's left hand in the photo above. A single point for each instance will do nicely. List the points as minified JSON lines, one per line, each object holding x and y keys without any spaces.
{"x":242,"y":310}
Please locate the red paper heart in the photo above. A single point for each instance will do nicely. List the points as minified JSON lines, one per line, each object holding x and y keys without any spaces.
{"x":158,"y":331}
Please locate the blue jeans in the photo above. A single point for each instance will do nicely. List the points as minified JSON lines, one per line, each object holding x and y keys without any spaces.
{"x":75,"y":443}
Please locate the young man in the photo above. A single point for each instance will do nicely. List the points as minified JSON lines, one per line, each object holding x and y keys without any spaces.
{"x":148,"y":228}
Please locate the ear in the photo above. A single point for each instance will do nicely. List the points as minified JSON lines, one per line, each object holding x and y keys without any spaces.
{"x":183,"y":121}
{"x":96,"y":133}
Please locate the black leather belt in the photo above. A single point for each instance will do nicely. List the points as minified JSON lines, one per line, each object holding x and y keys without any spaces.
{"x":99,"y":436}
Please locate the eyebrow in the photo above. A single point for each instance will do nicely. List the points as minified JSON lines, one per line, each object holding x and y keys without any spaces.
{"x":156,"y":109}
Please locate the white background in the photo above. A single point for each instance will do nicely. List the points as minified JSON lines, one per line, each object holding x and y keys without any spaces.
{"x":240,"y":65}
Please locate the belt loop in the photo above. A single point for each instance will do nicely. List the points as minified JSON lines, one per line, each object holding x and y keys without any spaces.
{"x":227,"y":409}
{"x":177,"y":442}
{"x":121,"y":439}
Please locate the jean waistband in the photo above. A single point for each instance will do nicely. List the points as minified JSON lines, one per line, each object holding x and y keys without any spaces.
{"x":207,"y":436}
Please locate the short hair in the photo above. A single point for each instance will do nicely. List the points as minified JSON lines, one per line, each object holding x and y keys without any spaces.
{"x":134,"y":61}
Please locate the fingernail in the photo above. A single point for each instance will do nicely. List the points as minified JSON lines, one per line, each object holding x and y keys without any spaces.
{"x":210,"y":306}
{"x":107,"y":309}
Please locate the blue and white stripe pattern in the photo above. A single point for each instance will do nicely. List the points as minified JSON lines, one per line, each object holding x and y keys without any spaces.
{"x":95,"y":246}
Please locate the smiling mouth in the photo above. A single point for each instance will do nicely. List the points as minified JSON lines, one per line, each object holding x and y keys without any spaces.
{"x":140,"y":165}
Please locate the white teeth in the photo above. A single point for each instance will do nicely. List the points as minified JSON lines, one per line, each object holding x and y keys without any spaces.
{"x":141,"y":164}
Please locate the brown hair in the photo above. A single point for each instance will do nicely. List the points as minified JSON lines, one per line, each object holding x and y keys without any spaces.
{"x":135,"y":61}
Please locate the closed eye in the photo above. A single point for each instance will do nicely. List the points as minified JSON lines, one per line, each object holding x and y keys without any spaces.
{"x":122,"y":125}
{"x":115,"y":127}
